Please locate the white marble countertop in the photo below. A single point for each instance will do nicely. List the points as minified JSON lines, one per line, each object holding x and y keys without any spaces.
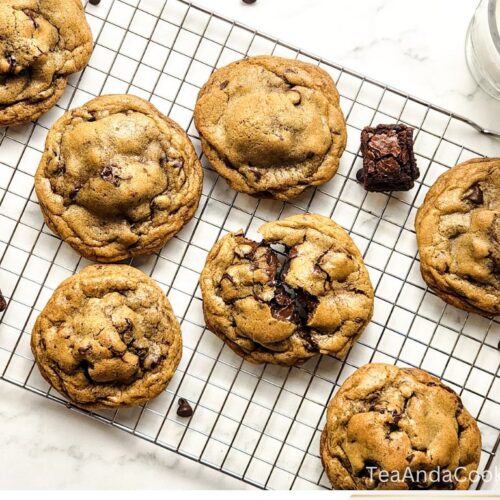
{"x":415,"y":46}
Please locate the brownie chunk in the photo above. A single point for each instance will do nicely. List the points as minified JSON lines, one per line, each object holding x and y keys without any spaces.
{"x":388,"y":160}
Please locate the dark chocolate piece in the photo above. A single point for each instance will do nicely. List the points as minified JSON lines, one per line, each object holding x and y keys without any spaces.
{"x":3,"y":303}
{"x":184,"y":409}
{"x":388,"y":160}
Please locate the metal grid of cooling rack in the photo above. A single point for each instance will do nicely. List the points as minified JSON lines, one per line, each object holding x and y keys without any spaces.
{"x":257,"y":423}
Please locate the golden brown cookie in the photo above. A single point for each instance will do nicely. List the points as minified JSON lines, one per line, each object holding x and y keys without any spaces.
{"x":107,"y":338}
{"x":458,"y":232}
{"x":117,"y":179}
{"x":42,"y":42}
{"x":402,"y":423}
{"x":314,"y":297}
{"x":270,"y":126}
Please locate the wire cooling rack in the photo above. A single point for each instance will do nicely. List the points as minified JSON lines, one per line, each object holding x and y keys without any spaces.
{"x":257,"y":423}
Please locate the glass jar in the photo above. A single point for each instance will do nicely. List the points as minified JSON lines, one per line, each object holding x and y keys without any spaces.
{"x":483,"y":46}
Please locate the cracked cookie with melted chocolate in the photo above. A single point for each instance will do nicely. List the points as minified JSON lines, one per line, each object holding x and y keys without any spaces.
{"x":458,"y":232}
{"x":401,"y":421}
{"x":117,"y":178}
{"x":389,"y":163}
{"x":107,"y":338}
{"x":42,"y":42}
{"x":271,"y":126}
{"x":283,"y":307}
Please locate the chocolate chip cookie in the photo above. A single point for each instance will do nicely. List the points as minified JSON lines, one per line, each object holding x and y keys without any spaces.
{"x":107,"y":338}
{"x":271,"y":126}
{"x":458,"y":231}
{"x":400,"y":422}
{"x":42,"y":42}
{"x":309,"y":294}
{"x":117,"y":178}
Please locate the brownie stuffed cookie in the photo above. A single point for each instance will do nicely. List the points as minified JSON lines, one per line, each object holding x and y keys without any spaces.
{"x":284,"y":307}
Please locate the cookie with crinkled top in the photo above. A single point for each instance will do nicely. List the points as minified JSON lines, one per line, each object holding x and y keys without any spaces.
{"x":458,"y":232}
{"x":390,"y":428}
{"x":107,"y":338}
{"x":271,"y":126}
{"x":302,"y":291}
{"x":42,"y":42}
{"x":118,"y":179}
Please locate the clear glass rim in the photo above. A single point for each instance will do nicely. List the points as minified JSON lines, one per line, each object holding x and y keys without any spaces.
{"x":492,"y":7}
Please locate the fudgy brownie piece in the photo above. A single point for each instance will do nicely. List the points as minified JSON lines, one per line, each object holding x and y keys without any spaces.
{"x":388,"y":160}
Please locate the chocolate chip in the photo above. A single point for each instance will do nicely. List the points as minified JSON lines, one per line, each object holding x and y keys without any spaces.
{"x":475,"y":195}
{"x":249,"y":1}
{"x":74,"y":193}
{"x":107,"y":174}
{"x":184,"y":409}
{"x":84,"y":350}
{"x":94,"y":2}
{"x":12,"y":62}
{"x":360,"y":175}
{"x":223,"y":85}
{"x":410,"y":457}
{"x":367,"y":470}
{"x":3,"y":303}
{"x":176,"y":162}
{"x":155,"y":360}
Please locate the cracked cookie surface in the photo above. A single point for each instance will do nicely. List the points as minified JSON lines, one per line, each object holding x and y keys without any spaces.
{"x":107,"y":338}
{"x":117,"y":178}
{"x":271,"y":126}
{"x":458,"y":232}
{"x":386,"y":418}
{"x":42,"y":42}
{"x":314,"y":297}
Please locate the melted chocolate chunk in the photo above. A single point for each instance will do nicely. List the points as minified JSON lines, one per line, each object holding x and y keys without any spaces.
{"x":176,"y":162}
{"x":107,"y":174}
{"x":12,"y":62}
{"x":388,"y":160}
{"x":74,"y":193}
{"x":368,"y":469}
{"x":84,"y":350}
{"x":475,"y":195}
